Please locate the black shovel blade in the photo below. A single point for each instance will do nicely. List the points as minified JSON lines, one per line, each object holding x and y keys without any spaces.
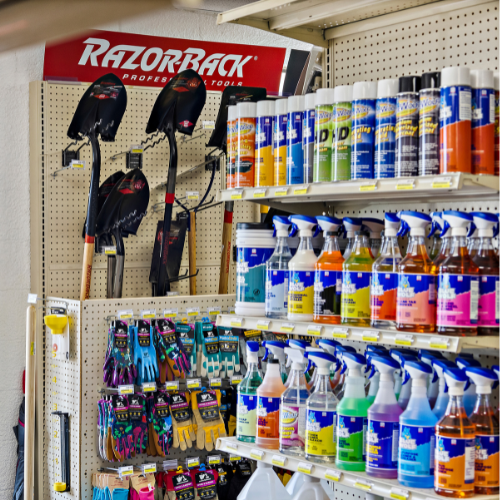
{"x":179,"y":104}
{"x":231,"y":96}
{"x":101,"y":107}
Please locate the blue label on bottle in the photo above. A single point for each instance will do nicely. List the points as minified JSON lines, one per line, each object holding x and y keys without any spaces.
{"x":351,"y":439}
{"x":280,"y":126}
{"x":383,"y":296}
{"x":276,"y":291}
{"x":416,"y":451}
{"x":251,"y":274}
{"x":264,"y":134}
{"x":456,"y":105}
{"x":246,"y":415}
{"x":385,"y":137}
{"x":363,"y":139}
{"x":483,"y":107}
{"x":416,"y":302}
{"x":327,"y":293}
{"x":382,"y":445}
{"x":294,"y":157}
{"x":308,"y":143}
{"x":455,"y":462}
{"x":268,"y":417}
{"x":458,"y":298}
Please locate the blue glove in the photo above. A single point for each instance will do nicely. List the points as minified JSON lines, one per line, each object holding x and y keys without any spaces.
{"x":229,"y":352}
{"x":186,"y":335}
{"x":144,"y":352}
{"x":207,"y":342}
{"x":120,"y":494}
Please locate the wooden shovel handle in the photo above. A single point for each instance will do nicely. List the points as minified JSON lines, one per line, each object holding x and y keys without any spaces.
{"x":225,"y":261}
{"x":192,"y":253}
{"x":88,"y":256}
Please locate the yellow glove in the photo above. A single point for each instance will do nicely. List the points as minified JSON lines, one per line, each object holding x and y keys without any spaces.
{"x":207,"y":420}
{"x":182,"y":424}
{"x":232,"y":425}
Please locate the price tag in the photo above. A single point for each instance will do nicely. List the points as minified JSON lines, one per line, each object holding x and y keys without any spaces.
{"x":404,"y":339}
{"x":215,"y":382}
{"x":232,"y":310}
{"x":32,"y":298}
{"x":363,"y":485}
{"x":193,"y":462}
{"x":236,"y":322}
{"x":333,"y":475}
{"x":208,"y":124}
{"x":193,"y":311}
{"x":300,"y":190}
{"x":148,"y":314}
{"x":170,"y":313}
{"x":172,"y":294}
{"x":405,"y":185}
{"x":314,"y":330}
{"x":305,"y":468}
{"x":127,"y":314}
{"x":125,"y":389}
{"x":370,"y":336}
{"x":149,"y":468}
{"x":340,"y":333}
{"x":234,"y":458}
{"x":237,"y":195}
{"x":256,"y":454}
{"x":172,"y":385}
{"x":439,"y":343}
{"x":442,"y":183}
{"x":109,"y":250}
{"x":78,"y":164}
{"x":260,"y":193}
{"x":213,"y":311}
{"x":126,"y":471}
{"x":368,"y":186}
{"x":236,"y":379}
{"x":287,"y":327}
{"x":278,"y":460}
{"x":194,"y":383}
{"x":192,"y":195}
{"x":399,"y":493}
{"x":232,"y":446}
{"x":263,"y":324}
{"x":149,"y":387}
{"x":281,"y":192}
{"x":214,"y":460}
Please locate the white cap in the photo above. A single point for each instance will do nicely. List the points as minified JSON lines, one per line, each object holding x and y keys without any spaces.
{"x":342,"y":93}
{"x":481,"y":79}
{"x":364,"y":90}
{"x":281,"y":106}
{"x":324,"y":97}
{"x":265,"y":108}
{"x":387,"y":88}
{"x":296,"y":103}
{"x":496,"y":81}
{"x":246,"y":109}
{"x":310,"y":101}
{"x":231,"y":113}
{"x":455,"y":75}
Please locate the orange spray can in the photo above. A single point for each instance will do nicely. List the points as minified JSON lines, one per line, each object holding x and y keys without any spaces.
{"x":245,"y":145}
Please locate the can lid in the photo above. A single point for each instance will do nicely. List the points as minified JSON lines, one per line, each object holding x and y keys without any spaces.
{"x":496,"y":80}
{"x":324,"y":97}
{"x":246,"y":109}
{"x":364,"y":90}
{"x":231,"y":113}
{"x":281,"y":106}
{"x":409,"y":83}
{"x":342,"y":93}
{"x":481,"y":79}
{"x":296,"y":103}
{"x":310,"y":101}
{"x":254,"y":225}
{"x":455,"y":75}
{"x":387,"y":88}
{"x":431,"y":80}
{"x":265,"y":108}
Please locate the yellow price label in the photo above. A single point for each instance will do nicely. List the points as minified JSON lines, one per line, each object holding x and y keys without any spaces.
{"x":287,"y":327}
{"x":333,"y":475}
{"x":279,"y":461}
{"x":256,"y":454}
{"x":214,"y":460}
{"x":363,"y":486}
{"x":259,"y":193}
{"x":314,"y":330}
{"x":110,"y":251}
{"x":406,"y":340}
{"x":301,"y":190}
{"x":77,"y":165}
{"x":281,"y":192}
{"x":236,"y":322}
{"x":305,"y":468}
{"x":150,"y":469}
{"x":405,"y":185}
{"x":367,"y":187}
{"x":236,"y":196}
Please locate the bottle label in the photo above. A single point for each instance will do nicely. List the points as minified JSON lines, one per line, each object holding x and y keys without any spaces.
{"x":301,"y":292}
{"x":280,"y":122}
{"x":416,"y":451}
{"x":363,"y":139}
{"x":382,"y":445}
{"x":428,"y":131}
{"x":356,"y":294}
{"x":341,"y":141}
{"x":295,"y":157}
{"x":351,"y":439}
{"x":455,"y":459}
{"x":457,"y":303}
{"x":384,"y":296}
{"x":483,"y":130}
{"x":276,"y":291}
{"x":322,"y":171}
{"x":308,"y":144}
{"x":245,"y":153}
{"x":293,"y":425}
{"x":251,"y":274}
{"x":327,"y":293}
{"x":407,"y":135}
{"x":489,"y":299}
{"x":416,"y":303}
{"x":487,"y":463}
{"x":264,"y":161}
{"x":246,"y":424}
{"x":268,"y":417}
{"x":385,"y":137}
{"x":320,"y":433}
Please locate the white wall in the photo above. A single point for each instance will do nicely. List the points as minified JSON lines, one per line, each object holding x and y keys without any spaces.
{"x":17,"y":69}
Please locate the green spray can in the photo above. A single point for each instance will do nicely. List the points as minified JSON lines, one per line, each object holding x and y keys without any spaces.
{"x":341,"y":145}
{"x":323,"y":134}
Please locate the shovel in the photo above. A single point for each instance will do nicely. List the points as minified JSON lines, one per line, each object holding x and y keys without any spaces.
{"x":99,"y":111}
{"x":121,"y":215}
{"x":177,"y":108}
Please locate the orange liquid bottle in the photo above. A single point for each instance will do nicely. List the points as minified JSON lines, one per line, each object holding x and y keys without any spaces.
{"x":455,"y":443}
{"x":328,"y":274}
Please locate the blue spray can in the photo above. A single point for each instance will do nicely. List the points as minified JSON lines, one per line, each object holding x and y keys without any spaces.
{"x":295,"y":157}
{"x":308,"y":136}
{"x":363,"y":130}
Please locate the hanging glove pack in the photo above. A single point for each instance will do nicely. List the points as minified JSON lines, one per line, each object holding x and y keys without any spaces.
{"x":161,"y":423}
{"x":144,"y":352}
{"x":138,"y":419}
{"x":208,"y":355}
{"x":121,"y":428}
{"x":182,"y":487}
{"x":185,"y":332}
{"x":182,"y":424}
{"x":118,"y":366}
{"x":170,"y":350}
{"x":229,"y":352}
{"x":206,"y":484}
{"x":207,"y":420}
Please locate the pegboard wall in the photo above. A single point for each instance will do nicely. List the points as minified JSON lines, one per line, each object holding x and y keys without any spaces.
{"x":463,"y":37}
{"x":59,"y":203}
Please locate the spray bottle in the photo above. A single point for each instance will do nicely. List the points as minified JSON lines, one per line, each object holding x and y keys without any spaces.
{"x":302,"y":345}
{"x":277,"y":271}
{"x":339,"y":353}
{"x":374,"y":228}
{"x":433,"y":385}
{"x":328,"y":274}
{"x":487,"y":429}
{"x":321,"y":413}
{"x":455,"y":443}
{"x":439,"y":366}
{"x":293,"y":406}
{"x":401,"y":356}
{"x":383,"y":423}
{"x":295,"y":155}
{"x":438,"y":243}
{"x":277,"y":348}
{"x":385,"y":277}
{"x":352,"y":418}
{"x":416,"y":298}
{"x":314,"y":375}
{"x":372,"y":373}
{"x":329,"y":346}
{"x":351,"y":226}
{"x":469,"y":398}
{"x":416,"y":442}
{"x":246,"y":411}
{"x":487,"y":261}
{"x":458,"y":285}
{"x":496,"y":369}
{"x":301,"y":270}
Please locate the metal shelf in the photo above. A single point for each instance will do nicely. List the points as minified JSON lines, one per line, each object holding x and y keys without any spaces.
{"x":312,"y":198}
{"x":369,"y":335}
{"x":388,"y":488}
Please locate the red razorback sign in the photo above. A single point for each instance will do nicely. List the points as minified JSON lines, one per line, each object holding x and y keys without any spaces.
{"x":151,"y":61}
